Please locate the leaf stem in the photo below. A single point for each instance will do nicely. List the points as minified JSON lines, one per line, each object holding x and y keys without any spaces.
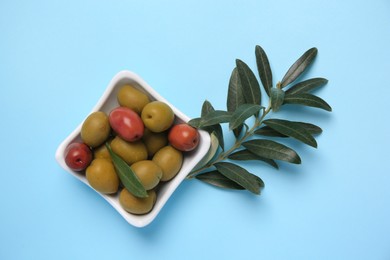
{"x":224,"y":155}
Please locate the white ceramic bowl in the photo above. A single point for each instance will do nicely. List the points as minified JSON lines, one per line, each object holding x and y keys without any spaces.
{"x":107,"y":102}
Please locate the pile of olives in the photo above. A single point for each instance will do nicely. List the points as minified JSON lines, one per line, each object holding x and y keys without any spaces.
{"x":140,"y":131}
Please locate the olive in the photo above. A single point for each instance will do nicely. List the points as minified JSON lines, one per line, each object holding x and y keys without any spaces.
{"x":130,"y":97}
{"x":157,"y":116}
{"x":78,"y":156}
{"x":154,"y":141}
{"x":102,"y":177}
{"x":183,"y":137}
{"x":101,"y":152}
{"x":148,"y":172}
{"x":126,"y":123}
{"x":95,"y":129}
{"x":170,"y":160}
{"x":136,"y":205}
{"x":130,"y":152}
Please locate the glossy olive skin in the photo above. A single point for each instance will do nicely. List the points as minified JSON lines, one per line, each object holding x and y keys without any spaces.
{"x":130,"y":152}
{"x":184,"y":137}
{"x":154,"y":141}
{"x":95,"y":129}
{"x":78,"y":156}
{"x":102,"y":177}
{"x":130,"y":97}
{"x":170,"y":160}
{"x":126,"y":123}
{"x":148,"y":172}
{"x":135,"y":205}
{"x":157,"y":116}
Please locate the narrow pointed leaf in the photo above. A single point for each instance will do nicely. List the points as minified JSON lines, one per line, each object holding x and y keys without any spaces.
{"x":242,"y":113}
{"x":268,"y":131}
{"x":264,"y":69}
{"x":217,"y":129}
{"x":217,"y":179}
{"x":291,"y":129}
{"x":249,"y":83}
{"x":216,"y":117}
{"x":311,"y":128}
{"x":212,"y":118}
{"x":277,"y":97}
{"x":306,"y":99}
{"x":211,"y":152}
{"x":127,"y":176}
{"x":246,"y":155}
{"x":306,"y":86}
{"x":195,"y":122}
{"x":240,"y":176}
{"x":299,"y":66}
{"x":206,"y":108}
{"x":235,"y":97}
{"x":272,"y":150}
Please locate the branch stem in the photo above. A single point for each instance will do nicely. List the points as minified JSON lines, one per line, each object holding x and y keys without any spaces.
{"x":225,"y":154}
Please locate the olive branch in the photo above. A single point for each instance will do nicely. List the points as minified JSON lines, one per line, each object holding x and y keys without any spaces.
{"x":254,"y":142}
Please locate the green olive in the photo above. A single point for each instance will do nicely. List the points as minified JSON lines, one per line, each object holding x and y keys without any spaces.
{"x":148,"y":172}
{"x":170,"y":160}
{"x":102,"y":177}
{"x":101,"y":152}
{"x":130,"y":152}
{"x":95,"y":129}
{"x":135,"y":205}
{"x":154,"y":141}
{"x":131,"y":97}
{"x":157,"y":116}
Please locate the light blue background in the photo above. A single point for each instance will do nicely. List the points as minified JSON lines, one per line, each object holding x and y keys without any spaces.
{"x":57,"y":57}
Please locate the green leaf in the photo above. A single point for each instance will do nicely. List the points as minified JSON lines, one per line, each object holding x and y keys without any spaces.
{"x":306,"y":86}
{"x":306,"y":99}
{"x":272,"y":150}
{"x":216,"y":117}
{"x":195,"y":122}
{"x":217,"y":129}
{"x":291,"y":129}
{"x":127,"y":176}
{"x":311,"y":128}
{"x":242,"y":113}
{"x":264,"y":69}
{"x":210,"y":153}
{"x":237,"y":131}
{"x":246,"y":155}
{"x":249,"y":83}
{"x":299,"y":66}
{"x":240,"y":176}
{"x":212,"y":118}
{"x":235,"y":97}
{"x":268,"y":131}
{"x":206,"y":108}
{"x":277,"y":97}
{"x":217,"y":179}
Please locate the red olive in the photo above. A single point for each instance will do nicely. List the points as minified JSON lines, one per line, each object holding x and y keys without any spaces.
{"x":183,"y":137}
{"x":78,"y":156}
{"x":126,"y":123}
